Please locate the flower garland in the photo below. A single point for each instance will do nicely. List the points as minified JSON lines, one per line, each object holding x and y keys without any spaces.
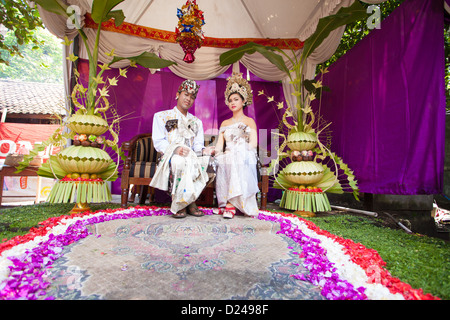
{"x":342,"y":268}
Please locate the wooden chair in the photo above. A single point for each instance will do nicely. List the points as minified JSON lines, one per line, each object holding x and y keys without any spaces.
{"x":140,"y":166}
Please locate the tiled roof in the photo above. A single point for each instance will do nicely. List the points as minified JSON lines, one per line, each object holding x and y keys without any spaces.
{"x":32,"y":97}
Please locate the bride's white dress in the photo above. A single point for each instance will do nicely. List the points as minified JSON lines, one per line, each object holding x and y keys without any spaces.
{"x":236,"y":176}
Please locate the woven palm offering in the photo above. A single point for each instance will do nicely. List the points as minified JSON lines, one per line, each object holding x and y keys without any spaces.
{"x":303,"y":172}
{"x":309,"y":200}
{"x":84,"y":159}
{"x":84,"y":165}
{"x":301,"y":141}
{"x":87,"y":124}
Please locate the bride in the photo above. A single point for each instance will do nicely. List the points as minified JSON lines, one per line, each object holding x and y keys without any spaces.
{"x":236,"y":176}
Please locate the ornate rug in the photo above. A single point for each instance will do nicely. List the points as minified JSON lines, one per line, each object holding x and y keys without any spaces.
{"x":159,"y":257}
{"x":144,"y":253}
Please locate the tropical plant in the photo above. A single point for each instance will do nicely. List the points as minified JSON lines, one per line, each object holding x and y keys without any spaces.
{"x":302,"y":136}
{"x":19,"y":18}
{"x":41,"y":63}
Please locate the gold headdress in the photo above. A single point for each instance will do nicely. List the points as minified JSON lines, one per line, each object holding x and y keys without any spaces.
{"x":237,"y":84}
{"x":189,"y":86}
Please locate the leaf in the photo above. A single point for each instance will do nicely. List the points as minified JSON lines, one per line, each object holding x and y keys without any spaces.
{"x":101,"y":10}
{"x":344,"y":16}
{"x":55,"y":6}
{"x":236,"y":54}
{"x":147,"y":60}
{"x":274,"y":58}
{"x":118,"y":16}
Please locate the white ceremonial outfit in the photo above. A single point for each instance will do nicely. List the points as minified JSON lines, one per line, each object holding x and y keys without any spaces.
{"x":236,"y":179}
{"x":171,"y":129}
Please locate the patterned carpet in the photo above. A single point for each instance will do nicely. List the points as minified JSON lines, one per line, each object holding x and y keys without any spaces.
{"x":159,"y":257}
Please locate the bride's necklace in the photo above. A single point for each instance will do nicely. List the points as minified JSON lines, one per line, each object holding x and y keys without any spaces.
{"x":238,"y":119}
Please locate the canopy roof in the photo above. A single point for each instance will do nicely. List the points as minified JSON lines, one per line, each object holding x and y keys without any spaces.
{"x":236,"y":19}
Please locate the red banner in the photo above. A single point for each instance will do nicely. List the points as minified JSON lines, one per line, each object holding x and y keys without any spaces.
{"x":168,"y":36}
{"x":15,"y":137}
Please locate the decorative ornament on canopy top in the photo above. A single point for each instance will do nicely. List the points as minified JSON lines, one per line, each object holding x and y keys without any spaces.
{"x":189,"y":31}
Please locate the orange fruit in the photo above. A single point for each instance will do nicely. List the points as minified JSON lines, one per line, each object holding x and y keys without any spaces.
{"x":85,"y":176}
{"x":75,"y":175}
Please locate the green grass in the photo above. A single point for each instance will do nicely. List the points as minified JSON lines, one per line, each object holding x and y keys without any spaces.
{"x":421,"y":261}
{"x":19,"y":220}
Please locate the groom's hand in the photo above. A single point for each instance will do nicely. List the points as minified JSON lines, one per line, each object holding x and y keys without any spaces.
{"x":182,"y":151}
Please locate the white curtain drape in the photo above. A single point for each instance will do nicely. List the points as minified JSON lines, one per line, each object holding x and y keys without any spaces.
{"x":207,"y":64}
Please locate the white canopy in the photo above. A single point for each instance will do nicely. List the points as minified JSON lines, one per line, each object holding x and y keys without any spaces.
{"x":224,"y":19}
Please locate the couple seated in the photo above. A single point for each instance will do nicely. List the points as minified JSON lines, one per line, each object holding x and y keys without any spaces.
{"x":182,"y":170}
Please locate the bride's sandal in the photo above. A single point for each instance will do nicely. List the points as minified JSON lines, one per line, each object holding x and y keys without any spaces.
{"x":229,"y":212}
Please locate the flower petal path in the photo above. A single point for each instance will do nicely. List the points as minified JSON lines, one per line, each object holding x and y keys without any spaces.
{"x":342,"y":268}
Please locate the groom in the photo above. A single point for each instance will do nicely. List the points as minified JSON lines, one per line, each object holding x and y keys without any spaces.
{"x":178,"y":135}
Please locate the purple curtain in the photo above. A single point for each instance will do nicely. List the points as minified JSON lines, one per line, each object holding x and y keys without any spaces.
{"x":387,"y":103}
{"x":138,"y":96}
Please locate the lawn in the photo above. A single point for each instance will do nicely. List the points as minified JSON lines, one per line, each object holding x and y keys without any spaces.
{"x":421,"y":261}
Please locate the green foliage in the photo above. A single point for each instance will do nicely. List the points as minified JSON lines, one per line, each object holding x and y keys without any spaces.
{"x":102,"y":11}
{"x":345,"y":15}
{"x":36,"y":63}
{"x":17,"y":17}
{"x":421,"y":261}
{"x":19,"y":220}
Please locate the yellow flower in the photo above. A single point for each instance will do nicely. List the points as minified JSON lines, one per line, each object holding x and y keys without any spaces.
{"x":113,"y":81}
{"x":317,"y":84}
{"x":66,"y":41}
{"x":111,"y":54}
{"x":312,"y":97}
{"x":103,"y":92}
{"x":288,"y":113}
{"x":72,"y":57}
{"x":98,"y":79}
{"x":260,"y":93}
{"x":270,"y":99}
{"x":105,"y":67}
{"x":82,"y":89}
{"x":280,"y":105}
{"x":123,"y":72}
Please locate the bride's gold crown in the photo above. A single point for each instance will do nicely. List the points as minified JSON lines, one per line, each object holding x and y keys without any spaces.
{"x":237,"y":84}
